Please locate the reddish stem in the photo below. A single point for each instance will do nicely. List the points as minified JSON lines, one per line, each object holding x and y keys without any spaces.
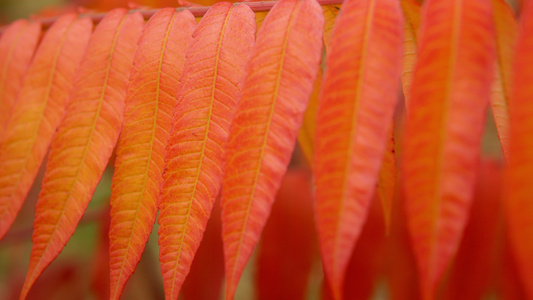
{"x":196,"y":11}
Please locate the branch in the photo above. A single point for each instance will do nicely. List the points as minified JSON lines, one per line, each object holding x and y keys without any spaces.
{"x":196,"y":11}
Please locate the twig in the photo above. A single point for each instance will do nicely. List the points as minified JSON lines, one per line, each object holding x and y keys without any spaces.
{"x":196,"y":11}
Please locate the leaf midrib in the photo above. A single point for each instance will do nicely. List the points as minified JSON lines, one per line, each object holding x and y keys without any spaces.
{"x":288,"y":30}
{"x":86,"y":150}
{"x":149,"y":158}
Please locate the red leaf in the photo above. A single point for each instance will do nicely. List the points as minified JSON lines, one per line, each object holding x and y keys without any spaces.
{"x":99,"y":270}
{"x":17,"y":45}
{"x":85,"y":138}
{"x":356,"y":108}
{"x":399,"y":260}
{"x":477,"y":251}
{"x":288,"y":243}
{"x":207,"y":98}
{"x":34,"y":121}
{"x":445,"y":120}
{"x":150,"y":101}
{"x":518,"y":187}
{"x":366,"y":262}
{"x":204,"y":281}
{"x":279,"y":83}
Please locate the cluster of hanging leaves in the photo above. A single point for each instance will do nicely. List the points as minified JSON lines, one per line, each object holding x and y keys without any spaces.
{"x":200,"y":111}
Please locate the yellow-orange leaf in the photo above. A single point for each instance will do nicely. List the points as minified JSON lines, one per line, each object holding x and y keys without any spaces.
{"x":17,"y":45}
{"x":279,"y":83}
{"x":356,"y":107}
{"x":330,"y":16}
{"x":306,"y":136}
{"x":411,"y":12}
{"x":445,"y":119}
{"x":150,"y":102}
{"x":85,"y":138}
{"x":518,"y":187}
{"x":33,"y":121}
{"x":506,"y":27}
{"x":259,"y":18}
{"x":387,"y":179}
{"x":206,"y":102}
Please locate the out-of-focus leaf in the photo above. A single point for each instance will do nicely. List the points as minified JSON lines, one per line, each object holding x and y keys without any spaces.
{"x":306,"y":136}
{"x":518,"y":186}
{"x":288,"y":243}
{"x":205,"y":279}
{"x":474,"y":263}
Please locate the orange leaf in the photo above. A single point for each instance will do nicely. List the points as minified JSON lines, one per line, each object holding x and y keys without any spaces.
{"x":506,"y":27}
{"x":411,"y":12}
{"x":17,"y":45}
{"x":306,"y":136}
{"x":330,"y":16}
{"x":150,"y":101}
{"x":387,"y":180}
{"x":288,"y":243}
{"x":34,"y":121}
{"x":85,"y":138}
{"x":356,"y":107}
{"x":259,"y":18}
{"x":279,"y":83}
{"x":206,"y":102}
{"x":445,"y":119}
{"x":518,"y":188}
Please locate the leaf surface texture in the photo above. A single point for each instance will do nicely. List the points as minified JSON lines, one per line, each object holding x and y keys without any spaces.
{"x":141,"y":151}
{"x":17,"y":46}
{"x":33,"y":121}
{"x":359,"y":95}
{"x":206,"y":102}
{"x":279,"y":82}
{"x":85,"y":138}
{"x":445,"y":121}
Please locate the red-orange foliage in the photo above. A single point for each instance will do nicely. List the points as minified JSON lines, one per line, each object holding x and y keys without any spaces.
{"x":212,"y":110}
